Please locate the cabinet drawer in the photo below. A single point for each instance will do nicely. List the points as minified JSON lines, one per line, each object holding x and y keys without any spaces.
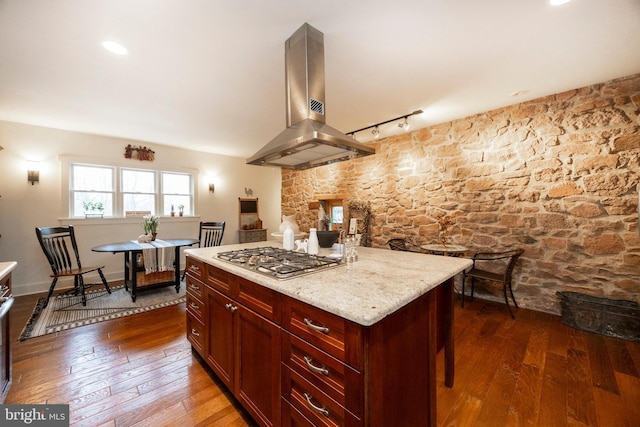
{"x":248,"y":236}
{"x":195,"y":268}
{"x":195,"y":307}
{"x":219,"y":280}
{"x":337,"y":336}
{"x":319,"y":408}
{"x":260,"y":299}
{"x":291,"y":417}
{"x":195,"y":288}
{"x":195,"y":333}
{"x":336,"y":379}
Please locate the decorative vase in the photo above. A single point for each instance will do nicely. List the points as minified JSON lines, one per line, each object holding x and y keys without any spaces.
{"x":289,"y":220}
{"x":153,"y":236}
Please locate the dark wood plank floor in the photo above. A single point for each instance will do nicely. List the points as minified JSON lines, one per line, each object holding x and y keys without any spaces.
{"x":140,"y":371}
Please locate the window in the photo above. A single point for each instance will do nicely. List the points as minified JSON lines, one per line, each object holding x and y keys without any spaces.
{"x":122,"y":189}
{"x":335,"y":213}
{"x":176,"y":191}
{"x":139,"y":190}
{"x":91,"y":184}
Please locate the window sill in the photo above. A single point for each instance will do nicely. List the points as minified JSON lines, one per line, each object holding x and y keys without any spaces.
{"x":118,"y":220}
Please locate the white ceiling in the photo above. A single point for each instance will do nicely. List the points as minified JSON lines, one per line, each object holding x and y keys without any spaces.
{"x":209,"y":74}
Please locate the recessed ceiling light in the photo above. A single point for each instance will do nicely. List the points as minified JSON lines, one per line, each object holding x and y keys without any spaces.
{"x":115,"y":47}
{"x":519,"y":93}
{"x":558,"y":2}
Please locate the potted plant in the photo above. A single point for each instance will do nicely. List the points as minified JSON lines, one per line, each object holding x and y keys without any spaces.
{"x":93,"y":209}
{"x":181,"y":209}
{"x":150,"y":225}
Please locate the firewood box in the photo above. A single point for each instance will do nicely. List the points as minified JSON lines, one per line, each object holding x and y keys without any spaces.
{"x":604,"y":316}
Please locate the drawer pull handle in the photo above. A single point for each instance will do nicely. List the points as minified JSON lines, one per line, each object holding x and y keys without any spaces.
{"x":194,"y":306}
{"x":194,"y":287}
{"x":310,"y":324}
{"x":194,"y":268}
{"x":194,"y":333}
{"x":323,"y":411}
{"x":231,"y":307}
{"x":315,"y":368}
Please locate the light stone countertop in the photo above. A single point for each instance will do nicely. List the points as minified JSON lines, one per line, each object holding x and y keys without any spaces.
{"x":379,"y":283}
{"x":7,"y":267}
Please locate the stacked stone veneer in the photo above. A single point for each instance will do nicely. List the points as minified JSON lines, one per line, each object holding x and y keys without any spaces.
{"x":557,"y":176}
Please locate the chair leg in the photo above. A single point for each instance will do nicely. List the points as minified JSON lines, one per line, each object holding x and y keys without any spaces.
{"x":512,"y":296}
{"x":104,"y":280}
{"x":53,"y":285}
{"x":473,"y":285}
{"x":506,"y":300}
{"x":80,"y":281}
{"x":464,"y":279}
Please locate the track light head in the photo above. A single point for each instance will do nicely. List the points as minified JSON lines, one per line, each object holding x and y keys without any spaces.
{"x":404,"y":124}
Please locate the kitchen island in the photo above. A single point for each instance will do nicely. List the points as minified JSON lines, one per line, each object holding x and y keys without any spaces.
{"x":351,"y":345}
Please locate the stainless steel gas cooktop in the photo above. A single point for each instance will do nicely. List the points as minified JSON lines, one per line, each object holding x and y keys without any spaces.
{"x":279,"y":263}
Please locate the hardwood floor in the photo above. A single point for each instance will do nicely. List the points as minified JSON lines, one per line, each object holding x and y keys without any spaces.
{"x":140,"y":371}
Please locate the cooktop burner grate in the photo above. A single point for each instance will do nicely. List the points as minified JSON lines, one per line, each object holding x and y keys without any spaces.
{"x":279,"y":263}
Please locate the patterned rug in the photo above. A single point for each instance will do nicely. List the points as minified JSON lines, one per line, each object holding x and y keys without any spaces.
{"x":67,"y":312}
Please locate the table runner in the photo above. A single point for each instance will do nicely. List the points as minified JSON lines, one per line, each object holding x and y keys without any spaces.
{"x":158,"y":256}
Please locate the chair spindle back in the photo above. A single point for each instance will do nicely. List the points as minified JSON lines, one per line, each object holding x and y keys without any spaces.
{"x":55,"y":243}
{"x":211,"y":233}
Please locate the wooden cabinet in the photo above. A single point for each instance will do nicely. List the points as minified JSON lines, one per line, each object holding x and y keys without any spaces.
{"x":338,"y":373}
{"x":195,"y":306}
{"x":240,"y":340}
{"x":292,"y":364}
{"x":249,"y":223}
{"x":322,"y":366}
{"x":248,"y":236}
{"x":5,"y":335}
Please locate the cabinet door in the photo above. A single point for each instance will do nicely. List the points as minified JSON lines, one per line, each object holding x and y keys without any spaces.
{"x":258,"y":366}
{"x":219,"y":336}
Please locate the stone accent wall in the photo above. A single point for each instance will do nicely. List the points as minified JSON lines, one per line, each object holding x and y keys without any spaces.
{"x":557,"y":176}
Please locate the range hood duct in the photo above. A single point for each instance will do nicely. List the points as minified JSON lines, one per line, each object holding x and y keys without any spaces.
{"x":307,"y":141}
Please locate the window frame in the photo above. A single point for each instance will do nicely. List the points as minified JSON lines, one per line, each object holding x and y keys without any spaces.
{"x":118,"y":193}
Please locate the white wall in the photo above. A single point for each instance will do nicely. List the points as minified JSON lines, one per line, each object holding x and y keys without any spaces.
{"x":24,"y":207}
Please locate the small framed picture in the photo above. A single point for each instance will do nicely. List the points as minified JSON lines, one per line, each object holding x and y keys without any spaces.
{"x":353,"y":225}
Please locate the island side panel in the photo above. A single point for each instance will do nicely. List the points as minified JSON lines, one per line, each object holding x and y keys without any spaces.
{"x":401,"y":361}
{"x":444,"y":309}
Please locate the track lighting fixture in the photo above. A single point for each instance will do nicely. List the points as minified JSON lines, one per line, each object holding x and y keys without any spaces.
{"x":376,"y":127}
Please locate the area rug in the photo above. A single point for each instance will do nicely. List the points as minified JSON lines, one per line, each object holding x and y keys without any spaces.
{"x":67,"y":312}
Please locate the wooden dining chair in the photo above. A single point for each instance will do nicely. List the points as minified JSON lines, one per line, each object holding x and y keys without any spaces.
{"x":210,"y":234}
{"x":60,"y":247}
{"x":494,"y":267}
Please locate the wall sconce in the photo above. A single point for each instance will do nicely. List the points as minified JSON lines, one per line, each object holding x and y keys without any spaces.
{"x":33,"y":173}
{"x":212,"y":187}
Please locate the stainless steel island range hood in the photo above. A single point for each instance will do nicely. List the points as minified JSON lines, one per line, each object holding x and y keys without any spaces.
{"x":307,"y":141}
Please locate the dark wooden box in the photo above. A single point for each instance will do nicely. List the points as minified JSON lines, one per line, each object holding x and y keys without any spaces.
{"x":604,"y":316}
